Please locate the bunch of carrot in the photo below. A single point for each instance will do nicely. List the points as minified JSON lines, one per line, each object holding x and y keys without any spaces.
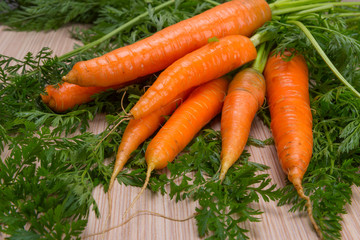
{"x":193,"y":91}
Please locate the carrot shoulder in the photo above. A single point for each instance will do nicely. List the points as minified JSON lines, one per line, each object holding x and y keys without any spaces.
{"x":245,"y":96}
{"x":204,"y":64}
{"x":155,"y":53}
{"x":203,"y":104}
{"x":287,"y":88}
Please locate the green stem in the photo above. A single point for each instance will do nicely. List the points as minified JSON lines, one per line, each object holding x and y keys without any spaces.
{"x":259,"y":38}
{"x":313,"y":10}
{"x":261,"y":58}
{"x":212,"y":2}
{"x":114,"y":32}
{"x":290,"y":4}
{"x":314,"y":17}
{"x":332,"y":161}
{"x":324,"y":57}
{"x":353,"y":19}
{"x":326,"y":5}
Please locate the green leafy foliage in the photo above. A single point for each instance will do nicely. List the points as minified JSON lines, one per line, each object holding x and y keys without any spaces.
{"x":41,"y":187}
{"x":222,"y":206}
{"x":53,"y":163}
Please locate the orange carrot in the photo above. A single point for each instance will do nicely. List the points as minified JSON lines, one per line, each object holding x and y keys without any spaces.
{"x":203,"y":104}
{"x":155,"y":53}
{"x":65,"y":96}
{"x":245,"y":96}
{"x":204,"y":64}
{"x":287,"y":89}
{"x":138,"y":130}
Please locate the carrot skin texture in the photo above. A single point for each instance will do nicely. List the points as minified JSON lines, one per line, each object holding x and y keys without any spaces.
{"x":204,"y":64}
{"x":65,"y":96}
{"x":291,"y":118}
{"x":203,"y":104}
{"x":245,"y":96}
{"x":161,"y":49}
{"x":138,"y":130}
{"x":287,"y":89}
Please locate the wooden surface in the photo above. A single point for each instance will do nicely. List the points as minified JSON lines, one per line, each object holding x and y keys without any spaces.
{"x":276,"y":223}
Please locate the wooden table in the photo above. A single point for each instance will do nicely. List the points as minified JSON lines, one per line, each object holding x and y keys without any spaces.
{"x":276,"y":222}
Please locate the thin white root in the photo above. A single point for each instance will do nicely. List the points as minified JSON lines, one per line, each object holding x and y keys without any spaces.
{"x":300,"y":191}
{"x":112,"y":130}
{"x":148,"y":174}
{"x":140,"y":212}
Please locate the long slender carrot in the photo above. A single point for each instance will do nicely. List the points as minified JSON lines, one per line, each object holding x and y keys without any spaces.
{"x":203,"y":104}
{"x":287,"y":89}
{"x":155,"y":53}
{"x":138,"y":130}
{"x":245,"y":96}
{"x":204,"y":64}
{"x":64,"y":96}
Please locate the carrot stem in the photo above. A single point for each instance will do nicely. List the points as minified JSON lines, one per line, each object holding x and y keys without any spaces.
{"x":259,"y":38}
{"x":313,"y":10}
{"x":291,"y":4}
{"x":261,"y":58}
{"x":114,"y":32}
{"x":325,"y":57}
{"x":307,"y":15}
{"x":276,"y":12}
{"x":212,"y":2}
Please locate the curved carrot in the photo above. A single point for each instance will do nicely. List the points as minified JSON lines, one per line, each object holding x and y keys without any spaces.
{"x":138,"y":130}
{"x":203,"y":104}
{"x":287,"y":87}
{"x":245,"y":96}
{"x":204,"y":64}
{"x":64,"y":96}
{"x":158,"y":51}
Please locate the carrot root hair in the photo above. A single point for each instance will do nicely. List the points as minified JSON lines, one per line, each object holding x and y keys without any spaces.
{"x":151,"y":167}
{"x":299,"y":188}
{"x":108,"y":215}
{"x":137,"y":213}
{"x":112,"y":179}
{"x":112,"y":130}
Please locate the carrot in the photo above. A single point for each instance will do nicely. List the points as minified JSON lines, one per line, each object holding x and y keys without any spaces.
{"x":291,"y":120}
{"x":204,"y":64}
{"x":64,"y":96}
{"x":203,"y":104}
{"x":245,"y":96}
{"x":155,"y":53}
{"x":138,"y":130}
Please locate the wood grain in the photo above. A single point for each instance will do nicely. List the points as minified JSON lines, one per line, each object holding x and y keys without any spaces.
{"x":276,"y":223}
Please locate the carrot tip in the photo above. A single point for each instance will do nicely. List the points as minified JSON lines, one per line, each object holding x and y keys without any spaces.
{"x":225,"y":165}
{"x":298,"y":186}
{"x":223,"y":173}
{"x":151,"y":167}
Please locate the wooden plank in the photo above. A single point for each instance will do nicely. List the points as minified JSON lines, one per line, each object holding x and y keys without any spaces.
{"x":276,"y":223}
